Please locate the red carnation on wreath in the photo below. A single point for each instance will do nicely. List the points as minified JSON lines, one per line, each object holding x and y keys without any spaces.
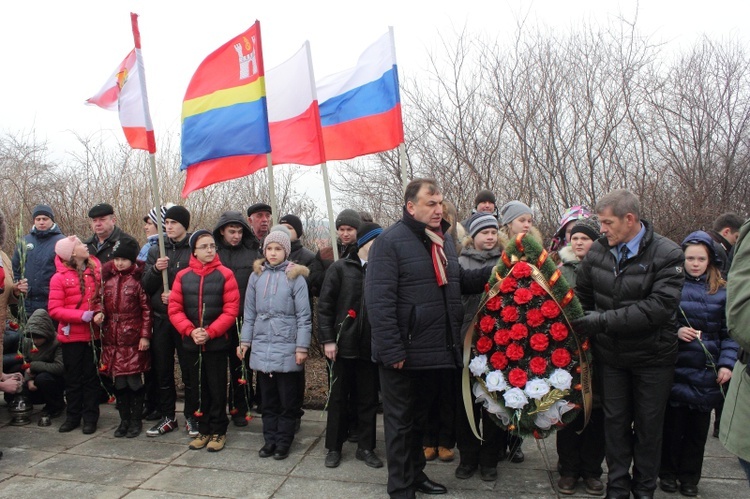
{"x":518,"y":332}
{"x":517,"y":377}
{"x":537,"y":290}
{"x":539,"y":342}
{"x":502,"y":337}
{"x":521,"y":270}
{"x":514,"y":351}
{"x":560,"y":357}
{"x":538,"y":365}
{"x":499,"y":361}
{"x":509,"y":314}
{"x":484,"y":344}
{"x":522,"y":296}
{"x":494,"y":303}
{"x":534,"y":317}
{"x":550,"y":309}
{"x":508,"y":285}
{"x":558,"y":331}
{"x":487,"y":324}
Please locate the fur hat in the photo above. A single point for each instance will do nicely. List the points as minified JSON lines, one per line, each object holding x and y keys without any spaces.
{"x":195,"y":236}
{"x":127,"y":248}
{"x":587,"y":226}
{"x":480,"y":221}
{"x":484,"y":196}
{"x":512,"y":210}
{"x":350,"y":218}
{"x":65,"y":246}
{"x":294,"y":221}
{"x":101,"y":210}
{"x":278,"y":234}
{"x":42,"y":209}
{"x":367,"y":232}
{"x":178,"y":214}
{"x":258,"y":207}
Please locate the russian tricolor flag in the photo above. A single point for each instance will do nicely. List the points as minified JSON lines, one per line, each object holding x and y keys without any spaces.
{"x":360,"y":109}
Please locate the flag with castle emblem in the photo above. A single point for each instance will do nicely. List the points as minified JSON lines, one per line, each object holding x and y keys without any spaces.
{"x":224,"y":113}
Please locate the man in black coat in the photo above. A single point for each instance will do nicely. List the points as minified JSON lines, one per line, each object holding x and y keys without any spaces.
{"x":237,"y":250}
{"x":413,"y":293}
{"x":106,"y":232}
{"x":725,"y":231}
{"x":630,"y":284}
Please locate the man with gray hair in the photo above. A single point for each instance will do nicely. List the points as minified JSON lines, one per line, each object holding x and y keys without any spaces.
{"x":630,"y":286}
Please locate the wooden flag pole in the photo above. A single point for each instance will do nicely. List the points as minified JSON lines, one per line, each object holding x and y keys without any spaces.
{"x":329,"y":205}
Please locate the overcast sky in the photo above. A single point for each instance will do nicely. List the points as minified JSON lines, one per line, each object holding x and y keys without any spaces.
{"x":56,"y":54}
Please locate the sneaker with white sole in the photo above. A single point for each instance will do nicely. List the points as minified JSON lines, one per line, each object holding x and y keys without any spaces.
{"x":191,"y":426}
{"x":165,"y":425}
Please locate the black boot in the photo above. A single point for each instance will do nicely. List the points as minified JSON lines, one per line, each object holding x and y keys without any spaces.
{"x":136,"y":411}
{"x":123,"y":407}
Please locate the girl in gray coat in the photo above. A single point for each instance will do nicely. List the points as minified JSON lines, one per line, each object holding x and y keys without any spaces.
{"x":277,"y":330}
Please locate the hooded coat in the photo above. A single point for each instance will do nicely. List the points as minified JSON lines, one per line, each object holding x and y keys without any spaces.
{"x":179,"y":257}
{"x":127,"y":319}
{"x":48,"y":357}
{"x":277,"y":317}
{"x":239,"y":259}
{"x":39,"y":246}
{"x":67,"y":303}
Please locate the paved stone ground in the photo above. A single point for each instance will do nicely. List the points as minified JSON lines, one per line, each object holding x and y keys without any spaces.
{"x":41,"y":462}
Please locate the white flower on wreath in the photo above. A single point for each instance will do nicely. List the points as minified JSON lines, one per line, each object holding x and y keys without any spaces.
{"x":495,"y":381}
{"x":560,"y":379}
{"x":536,"y":388}
{"x":478,"y":365}
{"x":515,"y":398}
{"x":553,"y":415}
{"x":490,"y":404}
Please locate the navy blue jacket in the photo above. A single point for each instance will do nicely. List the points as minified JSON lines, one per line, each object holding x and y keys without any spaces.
{"x":411,"y":317}
{"x":40,"y":265}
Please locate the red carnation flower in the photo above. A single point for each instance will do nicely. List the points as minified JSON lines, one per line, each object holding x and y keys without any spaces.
{"x":585,"y":346}
{"x":494,"y":303}
{"x":234,"y":411}
{"x":509,"y":314}
{"x":241,"y":381}
{"x":519,"y":332}
{"x":352,"y":313}
{"x":19,"y":356}
{"x":508,"y":285}
{"x":484,"y":344}
{"x":486,"y":324}
{"x":521,"y":269}
{"x":502,"y":337}
{"x":538,"y":366}
{"x":514,"y":351}
{"x":537,"y":290}
{"x":517,"y":377}
{"x":558,"y":331}
{"x":248,"y":417}
{"x":534,"y":317}
{"x":25,"y":366}
{"x":198,"y":414}
{"x":499,"y":361}
{"x":522,"y":296}
{"x":13,"y":325}
{"x":111,"y":399}
{"x":34,"y":349}
{"x":539,"y":342}
{"x":103,"y":368}
{"x":560,"y":357}
{"x":550,"y":309}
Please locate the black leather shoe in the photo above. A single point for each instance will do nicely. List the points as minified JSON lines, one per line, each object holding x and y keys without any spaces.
{"x":688,"y":489}
{"x":89,"y":428}
{"x":333,"y":459}
{"x":668,"y":484}
{"x":430,"y":487}
{"x":369,"y":458}
{"x":281,"y":453}
{"x":267,"y":450}
{"x":487,"y":473}
{"x":465,"y":471}
{"x":68,"y":425}
{"x":152,"y":416}
{"x":517,"y":456}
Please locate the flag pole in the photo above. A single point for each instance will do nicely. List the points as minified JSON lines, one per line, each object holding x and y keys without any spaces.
{"x":271,"y":190}
{"x":401,"y":146}
{"x":152,"y":142}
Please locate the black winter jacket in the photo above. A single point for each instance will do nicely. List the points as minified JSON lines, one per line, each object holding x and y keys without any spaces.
{"x":104,"y":253}
{"x":342,"y":291}
{"x":239,"y":259}
{"x":638,"y":304}
{"x":323,"y":260}
{"x":412,"y":318}
{"x":179,"y":258}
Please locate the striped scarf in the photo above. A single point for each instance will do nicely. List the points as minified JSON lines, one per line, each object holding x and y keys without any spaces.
{"x":439,"y":261}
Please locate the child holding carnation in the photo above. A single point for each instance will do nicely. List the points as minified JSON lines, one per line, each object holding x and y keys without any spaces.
{"x":74,"y":302}
{"x":203,"y":306}
{"x":481,"y":248}
{"x":127,"y":333}
{"x":277,"y":330}
{"x":706,"y":356}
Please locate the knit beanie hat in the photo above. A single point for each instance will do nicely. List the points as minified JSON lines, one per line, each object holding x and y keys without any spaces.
{"x":160,"y":219}
{"x":65,"y":246}
{"x":484,"y":196}
{"x":480,"y":221}
{"x":367,"y":232}
{"x":127,"y":248}
{"x":195,"y":236}
{"x":350,"y":218}
{"x":179,"y":214}
{"x":42,"y":209}
{"x":294,"y":221}
{"x":587,"y":226}
{"x":512,"y":210}
{"x":278,"y":234}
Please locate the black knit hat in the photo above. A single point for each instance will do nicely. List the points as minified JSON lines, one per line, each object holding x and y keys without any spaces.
{"x":587,"y":226}
{"x":258,"y":207}
{"x":101,"y":210}
{"x":367,"y":232}
{"x":127,"y":248}
{"x":350,"y":218}
{"x":195,"y":236}
{"x":42,"y":209}
{"x":179,"y":214}
{"x":294,"y":221}
{"x":484,"y":196}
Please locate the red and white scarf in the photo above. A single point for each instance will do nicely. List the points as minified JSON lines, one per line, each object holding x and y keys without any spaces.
{"x":439,"y":261}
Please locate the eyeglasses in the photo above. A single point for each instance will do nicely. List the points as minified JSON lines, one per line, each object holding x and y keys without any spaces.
{"x":206,"y":247}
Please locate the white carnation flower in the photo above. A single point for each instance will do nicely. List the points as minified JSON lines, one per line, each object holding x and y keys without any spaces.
{"x":495,"y":381}
{"x":536,"y":388}
{"x":515,"y":398}
{"x":560,"y":379}
{"x":478,"y":365}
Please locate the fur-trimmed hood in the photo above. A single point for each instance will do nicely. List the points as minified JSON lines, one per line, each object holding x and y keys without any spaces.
{"x":292,"y":273}
{"x":567,"y":256}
